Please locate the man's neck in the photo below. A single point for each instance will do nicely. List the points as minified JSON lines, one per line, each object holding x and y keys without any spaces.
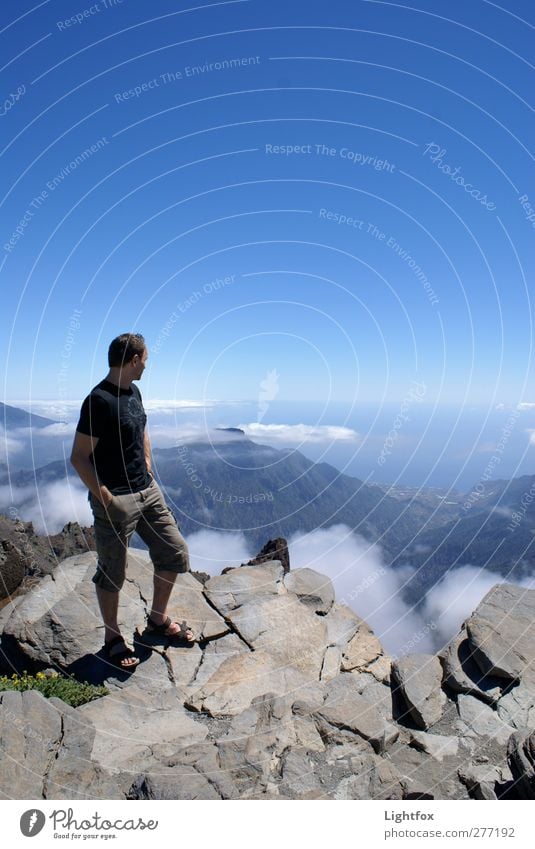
{"x":119,"y":378}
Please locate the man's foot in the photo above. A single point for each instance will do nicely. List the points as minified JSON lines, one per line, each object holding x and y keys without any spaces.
{"x":168,"y":628}
{"x":118,"y":653}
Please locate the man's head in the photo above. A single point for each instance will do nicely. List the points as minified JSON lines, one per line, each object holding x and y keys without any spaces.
{"x":128,"y":353}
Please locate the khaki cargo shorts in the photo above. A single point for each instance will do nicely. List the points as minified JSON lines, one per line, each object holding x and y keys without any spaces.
{"x":147,"y":513}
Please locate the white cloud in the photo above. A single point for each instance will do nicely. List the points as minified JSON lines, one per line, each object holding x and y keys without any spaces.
{"x":211,"y":551}
{"x":49,"y":409}
{"x":525,"y":405}
{"x":61,"y":429}
{"x":163,"y":436}
{"x":457,"y":595}
{"x":299,"y":433}
{"x":8,"y":445}
{"x":168,"y":407}
{"x":365,"y":584}
{"x":51,"y":507}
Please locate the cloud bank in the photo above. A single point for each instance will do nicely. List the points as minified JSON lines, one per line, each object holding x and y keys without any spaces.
{"x":299,"y":433}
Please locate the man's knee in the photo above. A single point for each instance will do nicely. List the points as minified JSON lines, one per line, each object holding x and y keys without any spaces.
{"x":110,"y":580}
{"x":175,"y":559}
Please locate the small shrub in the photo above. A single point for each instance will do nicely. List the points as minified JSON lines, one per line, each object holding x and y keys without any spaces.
{"x":69,"y":690}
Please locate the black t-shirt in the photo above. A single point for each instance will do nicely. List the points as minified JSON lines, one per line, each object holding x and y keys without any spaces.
{"x":116,"y":416}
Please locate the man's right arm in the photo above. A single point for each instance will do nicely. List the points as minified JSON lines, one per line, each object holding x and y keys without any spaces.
{"x":83,"y":447}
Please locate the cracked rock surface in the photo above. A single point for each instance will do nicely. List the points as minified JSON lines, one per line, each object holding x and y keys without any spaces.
{"x":286,"y":694}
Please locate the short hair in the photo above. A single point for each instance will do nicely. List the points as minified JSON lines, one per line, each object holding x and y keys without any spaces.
{"x":124,"y":347}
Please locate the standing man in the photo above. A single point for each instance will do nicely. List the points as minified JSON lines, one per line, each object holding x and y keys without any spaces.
{"x":112,"y":455}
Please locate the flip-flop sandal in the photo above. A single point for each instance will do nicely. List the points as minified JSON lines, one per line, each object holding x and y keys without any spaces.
{"x":117,"y":657}
{"x":153,"y":628}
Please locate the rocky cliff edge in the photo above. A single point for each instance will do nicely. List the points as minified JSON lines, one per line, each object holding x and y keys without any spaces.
{"x":285,"y":694}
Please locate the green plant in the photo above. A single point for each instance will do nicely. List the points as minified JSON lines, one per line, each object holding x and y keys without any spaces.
{"x":72,"y":692}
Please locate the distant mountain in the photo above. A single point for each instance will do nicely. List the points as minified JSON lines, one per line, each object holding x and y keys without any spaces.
{"x":234,"y":483}
{"x":484,"y":533}
{"x":13,"y":417}
{"x":243,"y":485}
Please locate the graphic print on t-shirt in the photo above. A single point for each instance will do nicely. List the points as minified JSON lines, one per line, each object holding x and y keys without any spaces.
{"x":133,"y":417}
{"x":117,"y":417}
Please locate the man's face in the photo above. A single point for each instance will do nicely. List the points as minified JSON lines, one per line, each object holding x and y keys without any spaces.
{"x":138,"y":364}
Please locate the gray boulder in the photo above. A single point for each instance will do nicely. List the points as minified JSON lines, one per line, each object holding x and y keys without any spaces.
{"x":502,"y":632}
{"x":418,"y":679}
{"x":462,"y":673}
{"x":521,"y":759}
{"x":311,"y":588}
{"x":230,"y":590}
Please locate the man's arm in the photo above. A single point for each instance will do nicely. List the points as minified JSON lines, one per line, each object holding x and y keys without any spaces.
{"x":83,"y":447}
{"x":147,"y":451}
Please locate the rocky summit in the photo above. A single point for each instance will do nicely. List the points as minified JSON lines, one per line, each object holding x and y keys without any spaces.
{"x":286,"y":694}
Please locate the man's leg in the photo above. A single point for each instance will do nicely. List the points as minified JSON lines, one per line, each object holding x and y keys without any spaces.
{"x":163,"y":585}
{"x":109,"y":605}
{"x":112,"y":546}
{"x":169,"y":553}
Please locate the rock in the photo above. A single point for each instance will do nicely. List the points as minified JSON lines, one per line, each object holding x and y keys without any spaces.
{"x":298,"y":776}
{"x":59,"y":622}
{"x":380,"y":669}
{"x":285,"y":628}
{"x":480,"y":781}
{"x":425,"y":777}
{"x":72,"y":773}
{"x":30,"y":733}
{"x":187,"y":600}
{"x":436,"y":745}
{"x":375,"y":778}
{"x":462,"y":673}
{"x":239,"y":679}
{"x":257,"y":739}
{"x":311,"y":588}
{"x":332,"y":661}
{"x":377,"y":694}
{"x":231,"y":590}
{"x":13,"y":565}
{"x":172,"y":785}
{"x":45,"y":751}
{"x":195,"y":667}
{"x":418,"y":678}
{"x":502,"y":632}
{"x":285,"y":695}
{"x":342,"y":624}
{"x":517,"y":706}
{"x":346,"y":709}
{"x":134,"y":723}
{"x":41,"y":554}
{"x":361,"y":650}
{"x":477,"y":718}
{"x":521,"y":760}
{"x":274,"y":549}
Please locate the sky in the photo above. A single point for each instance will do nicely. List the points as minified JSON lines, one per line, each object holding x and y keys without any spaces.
{"x":334,"y":199}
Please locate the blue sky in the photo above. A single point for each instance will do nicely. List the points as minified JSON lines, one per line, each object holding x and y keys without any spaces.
{"x":295,"y":209}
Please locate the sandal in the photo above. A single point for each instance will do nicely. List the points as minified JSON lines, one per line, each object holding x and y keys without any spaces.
{"x":162,"y":629}
{"x":118,"y":657}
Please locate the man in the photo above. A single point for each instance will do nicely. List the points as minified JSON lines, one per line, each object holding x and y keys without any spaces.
{"x":112,"y":455}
